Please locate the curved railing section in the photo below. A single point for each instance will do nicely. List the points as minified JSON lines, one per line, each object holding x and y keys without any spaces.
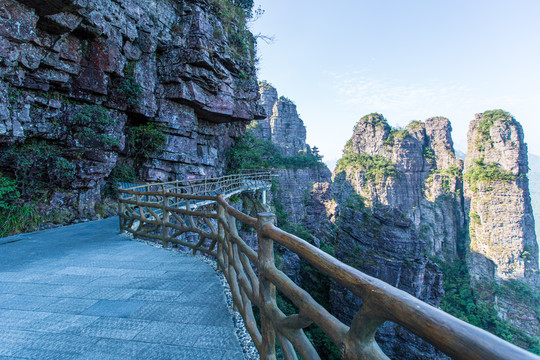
{"x":164,"y":213}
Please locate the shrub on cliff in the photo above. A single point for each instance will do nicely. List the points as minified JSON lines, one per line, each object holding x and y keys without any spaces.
{"x":233,"y":15}
{"x":252,"y":153}
{"x":130,"y":89}
{"x":395,"y":134}
{"x":482,"y":172}
{"x":38,"y":165}
{"x":375,"y":167}
{"x":91,"y":126}
{"x":375,"y":119}
{"x":460,"y":301}
{"x":145,"y":140}
{"x":15,"y":215}
{"x":488,"y":120}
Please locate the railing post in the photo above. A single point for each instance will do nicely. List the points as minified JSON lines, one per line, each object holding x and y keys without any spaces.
{"x":121,"y":212}
{"x":266,"y":288}
{"x":165,"y":221}
{"x":221,"y":233}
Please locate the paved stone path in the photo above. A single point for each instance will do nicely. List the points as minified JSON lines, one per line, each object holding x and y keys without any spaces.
{"x":85,"y":292}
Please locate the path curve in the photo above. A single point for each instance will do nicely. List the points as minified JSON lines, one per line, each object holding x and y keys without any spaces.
{"x":85,"y":292}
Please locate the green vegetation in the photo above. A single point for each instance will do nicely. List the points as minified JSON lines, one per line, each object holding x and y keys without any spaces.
{"x":446,"y":174}
{"x":486,"y":123}
{"x":145,"y":140}
{"x":265,"y":85}
{"x":234,"y":16}
{"x":122,"y":172}
{"x":15,"y":215}
{"x":313,"y":281}
{"x":35,"y":169}
{"x":414,"y":125}
{"x":285,"y":99}
{"x":130,"y":89}
{"x":8,"y":192}
{"x":394,"y":134}
{"x":481,"y":172}
{"x":475,"y":218}
{"x":375,"y":119}
{"x":252,"y":153}
{"x":429,"y":155}
{"x":356,"y":202}
{"x":459,"y":301}
{"x":91,"y":125}
{"x":38,"y":165}
{"x":376,"y":167}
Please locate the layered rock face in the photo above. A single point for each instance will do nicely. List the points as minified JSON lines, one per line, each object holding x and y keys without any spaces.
{"x":167,"y":63}
{"x":503,"y":244}
{"x":400,"y":199}
{"x":503,"y":240}
{"x":301,"y":196}
{"x":282,"y":125}
{"x":414,"y":170}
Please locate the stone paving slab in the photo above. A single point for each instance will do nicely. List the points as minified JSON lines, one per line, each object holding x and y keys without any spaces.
{"x":85,"y":292}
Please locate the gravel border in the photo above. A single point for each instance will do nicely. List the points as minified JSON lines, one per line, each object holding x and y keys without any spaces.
{"x":246,"y":343}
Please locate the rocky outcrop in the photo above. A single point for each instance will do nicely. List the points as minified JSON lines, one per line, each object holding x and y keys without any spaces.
{"x":300,"y":195}
{"x":503,"y":258}
{"x":400,"y":202}
{"x":503,"y":239}
{"x":282,"y":125}
{"x":167,"y":63}
{"x":414,"y":170}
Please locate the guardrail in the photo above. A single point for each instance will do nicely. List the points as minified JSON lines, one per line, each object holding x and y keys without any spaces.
{"x":254,"y":278}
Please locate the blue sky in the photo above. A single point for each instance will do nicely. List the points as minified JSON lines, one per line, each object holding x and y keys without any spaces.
{"x":409,"y":60}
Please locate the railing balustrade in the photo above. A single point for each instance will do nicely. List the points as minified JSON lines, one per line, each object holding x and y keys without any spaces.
{"x":196,"y":214}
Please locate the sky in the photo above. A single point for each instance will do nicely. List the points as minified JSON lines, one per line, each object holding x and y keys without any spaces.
{"x":408,"y":60}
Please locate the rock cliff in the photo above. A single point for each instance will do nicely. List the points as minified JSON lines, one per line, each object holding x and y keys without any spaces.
{"x":300,"y":191}
{"x":92,"y":80}
{"x":503,"y":240}
{"x":282,"y":125}
{"x":400,"y":199}
{"x":503,"y":257}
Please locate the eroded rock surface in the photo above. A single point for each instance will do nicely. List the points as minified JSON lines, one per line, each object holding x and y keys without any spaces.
{"x":168,"y":63}
{"x":400,"y":204}
{"x":503,"y":245}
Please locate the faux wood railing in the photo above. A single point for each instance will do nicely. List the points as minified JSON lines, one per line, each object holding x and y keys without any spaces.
{"x":170,"y":216}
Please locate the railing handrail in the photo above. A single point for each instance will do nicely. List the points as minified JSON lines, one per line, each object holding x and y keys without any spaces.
{"x":381,"y":301}
{"x":252,"y":174}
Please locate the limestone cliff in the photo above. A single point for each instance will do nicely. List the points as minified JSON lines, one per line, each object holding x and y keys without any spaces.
{"x":503,"y":243}
{"x":414,"y":170}
{"x":503,"y":240}
{"x":282,"y":124}
{"x":400,"y":199}
{"x":301,"y":193}
{"x":90,"y":78}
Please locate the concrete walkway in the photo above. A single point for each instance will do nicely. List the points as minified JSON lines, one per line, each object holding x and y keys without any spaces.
{"x":84,"y":292}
